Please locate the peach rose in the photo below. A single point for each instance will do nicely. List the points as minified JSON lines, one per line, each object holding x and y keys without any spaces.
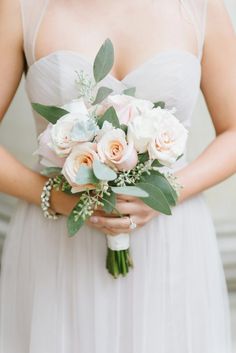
{"x":81,"y":154}
{"x":114,"y":150}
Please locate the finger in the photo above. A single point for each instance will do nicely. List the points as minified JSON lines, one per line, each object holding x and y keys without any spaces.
{"x":100,"y":228}
{"x":128,"y":208}
{"x":111,"y":222}
{"x":126,"y":197}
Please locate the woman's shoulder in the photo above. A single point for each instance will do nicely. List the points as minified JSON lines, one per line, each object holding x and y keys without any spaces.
{"x":11,"y":22}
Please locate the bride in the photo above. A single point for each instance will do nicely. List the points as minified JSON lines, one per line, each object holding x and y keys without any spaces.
{"x":56,"y":296}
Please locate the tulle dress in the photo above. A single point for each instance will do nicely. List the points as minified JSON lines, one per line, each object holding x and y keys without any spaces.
{"x":56,"y":295}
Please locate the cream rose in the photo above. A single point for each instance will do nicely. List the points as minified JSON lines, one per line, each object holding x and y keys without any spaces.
{"x":114,"y":150}
{"x":141,"y":132}
{"x":48,"y":157}
{"x":81,"y":154}
{"x":126,"y":107}
{"x":170,"y":138}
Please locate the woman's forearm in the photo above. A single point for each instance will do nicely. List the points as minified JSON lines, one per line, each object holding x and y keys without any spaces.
{"x":215,"y":164}
{"x":21,"y":182}
{"x":18,"y":180}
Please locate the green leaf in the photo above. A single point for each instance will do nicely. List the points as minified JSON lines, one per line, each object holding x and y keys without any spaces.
{"x":130,"y":190}
{"x":156,"y":163}
{"x":109,"y":202}
{"x":86,"y":176}
{"x":49,"y":112}
{"x":102,"y":93}
{"x":143,"y":157}
{"x":159,"y":180}
{"x":160,"y":104}
{"x":130,"y":91}
{"x":110,"y":116}
{"x":103,"y":61}
{"x":124,"y":128}
{"x":156,"y":199}
{"x":73,"y":226}
{"x":51,"y":171}
{"x":180,"y":157}
{"x":103,"y":172}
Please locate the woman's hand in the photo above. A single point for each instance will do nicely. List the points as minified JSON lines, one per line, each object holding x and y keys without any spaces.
{"x":129,"y":207}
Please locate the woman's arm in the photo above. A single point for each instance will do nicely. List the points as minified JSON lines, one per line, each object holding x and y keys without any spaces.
{"x":218,"y":85}
{"x":15,"y":178}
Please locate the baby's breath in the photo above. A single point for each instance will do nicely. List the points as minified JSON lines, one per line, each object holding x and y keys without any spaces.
{"x":60,"y":183}
{"x":132,"y":176}
{"x":173,"y":180}
{"x":85,"y":86}
{"x":90,"y":201}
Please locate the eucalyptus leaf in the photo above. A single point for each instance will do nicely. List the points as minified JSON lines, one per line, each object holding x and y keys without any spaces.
{"x":103,"y":61}
{"x":102,"y":93}
{"x":51,"y":171}
{"x":162,"y":183}
{"x":159,"y":104}
{"x":110,"y":116}
{"x":124,"y":127}
{"x":49,"y":112}
{"x":130,"y":190}
{"x":86,"y":175}
{"x":180,"y":157}
{"x":143,"y":157}
{"x":156,"y":163}
{"x":130,"y":91}
{"x":103,"y":172}
{"x":156,"y":199}
{"x":73,"y":226}
{"x":109,"y":202}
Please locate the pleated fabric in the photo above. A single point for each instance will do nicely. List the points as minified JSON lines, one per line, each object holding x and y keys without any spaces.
{"x":56,"y":296}
{"x":55,"y":293}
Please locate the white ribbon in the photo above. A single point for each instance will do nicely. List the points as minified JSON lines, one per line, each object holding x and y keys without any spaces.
{"x":118,"y":242}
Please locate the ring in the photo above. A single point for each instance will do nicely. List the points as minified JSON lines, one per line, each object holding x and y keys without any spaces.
{"x":132,"y":224}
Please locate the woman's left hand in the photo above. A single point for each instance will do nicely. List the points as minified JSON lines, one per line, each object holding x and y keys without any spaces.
{"x":128,"y":206}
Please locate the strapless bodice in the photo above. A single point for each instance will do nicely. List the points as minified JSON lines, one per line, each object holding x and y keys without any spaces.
{"x":172,"y":76}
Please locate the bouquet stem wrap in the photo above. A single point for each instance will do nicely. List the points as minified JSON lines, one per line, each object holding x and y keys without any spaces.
{"x":118,"y":259}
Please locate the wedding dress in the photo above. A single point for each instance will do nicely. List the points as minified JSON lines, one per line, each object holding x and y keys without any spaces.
{"x":56,"y":295}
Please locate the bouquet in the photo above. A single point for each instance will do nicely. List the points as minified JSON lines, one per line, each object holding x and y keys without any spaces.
{"x":102,"y":144}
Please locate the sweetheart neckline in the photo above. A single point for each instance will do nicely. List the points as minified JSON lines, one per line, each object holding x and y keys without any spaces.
{"x":139,"y":67}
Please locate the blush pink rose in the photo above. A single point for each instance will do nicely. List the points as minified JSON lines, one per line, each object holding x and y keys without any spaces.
{"x":114,"y":150}
{"x":126,"y":107}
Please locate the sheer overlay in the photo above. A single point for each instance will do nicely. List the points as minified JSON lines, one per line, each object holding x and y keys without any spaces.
{"x":56,"y":296}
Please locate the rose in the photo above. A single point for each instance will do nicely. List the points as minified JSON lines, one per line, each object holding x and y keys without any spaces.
{"x":141,"y":132}
{"x":126,"y":107}
{"x":75,"y":106}
{"x":48,"y":157}
{"x":81,"y":154}
{"x":170,"y":138}
{"x":72,"y":128}
{"x":114,"y":150}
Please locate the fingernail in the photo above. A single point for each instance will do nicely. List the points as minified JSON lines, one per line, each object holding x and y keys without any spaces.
{"x":93,"y":219}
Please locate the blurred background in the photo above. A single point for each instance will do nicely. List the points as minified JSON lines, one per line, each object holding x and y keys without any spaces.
{"x":17,"y":134}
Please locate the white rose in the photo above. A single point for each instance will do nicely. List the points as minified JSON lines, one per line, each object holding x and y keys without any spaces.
{"x":170,"y":137}
{"x":114,"y":150}
{"x":75,"y":106}
{"x":74,"y":127}
{"x":81,"y":154}
{"x":61,"y":140}
{"x":141,"y":132}
{"x":126,"y":107}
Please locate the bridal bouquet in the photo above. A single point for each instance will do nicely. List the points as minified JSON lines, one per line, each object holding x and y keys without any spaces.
{"x":103,"y":144}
